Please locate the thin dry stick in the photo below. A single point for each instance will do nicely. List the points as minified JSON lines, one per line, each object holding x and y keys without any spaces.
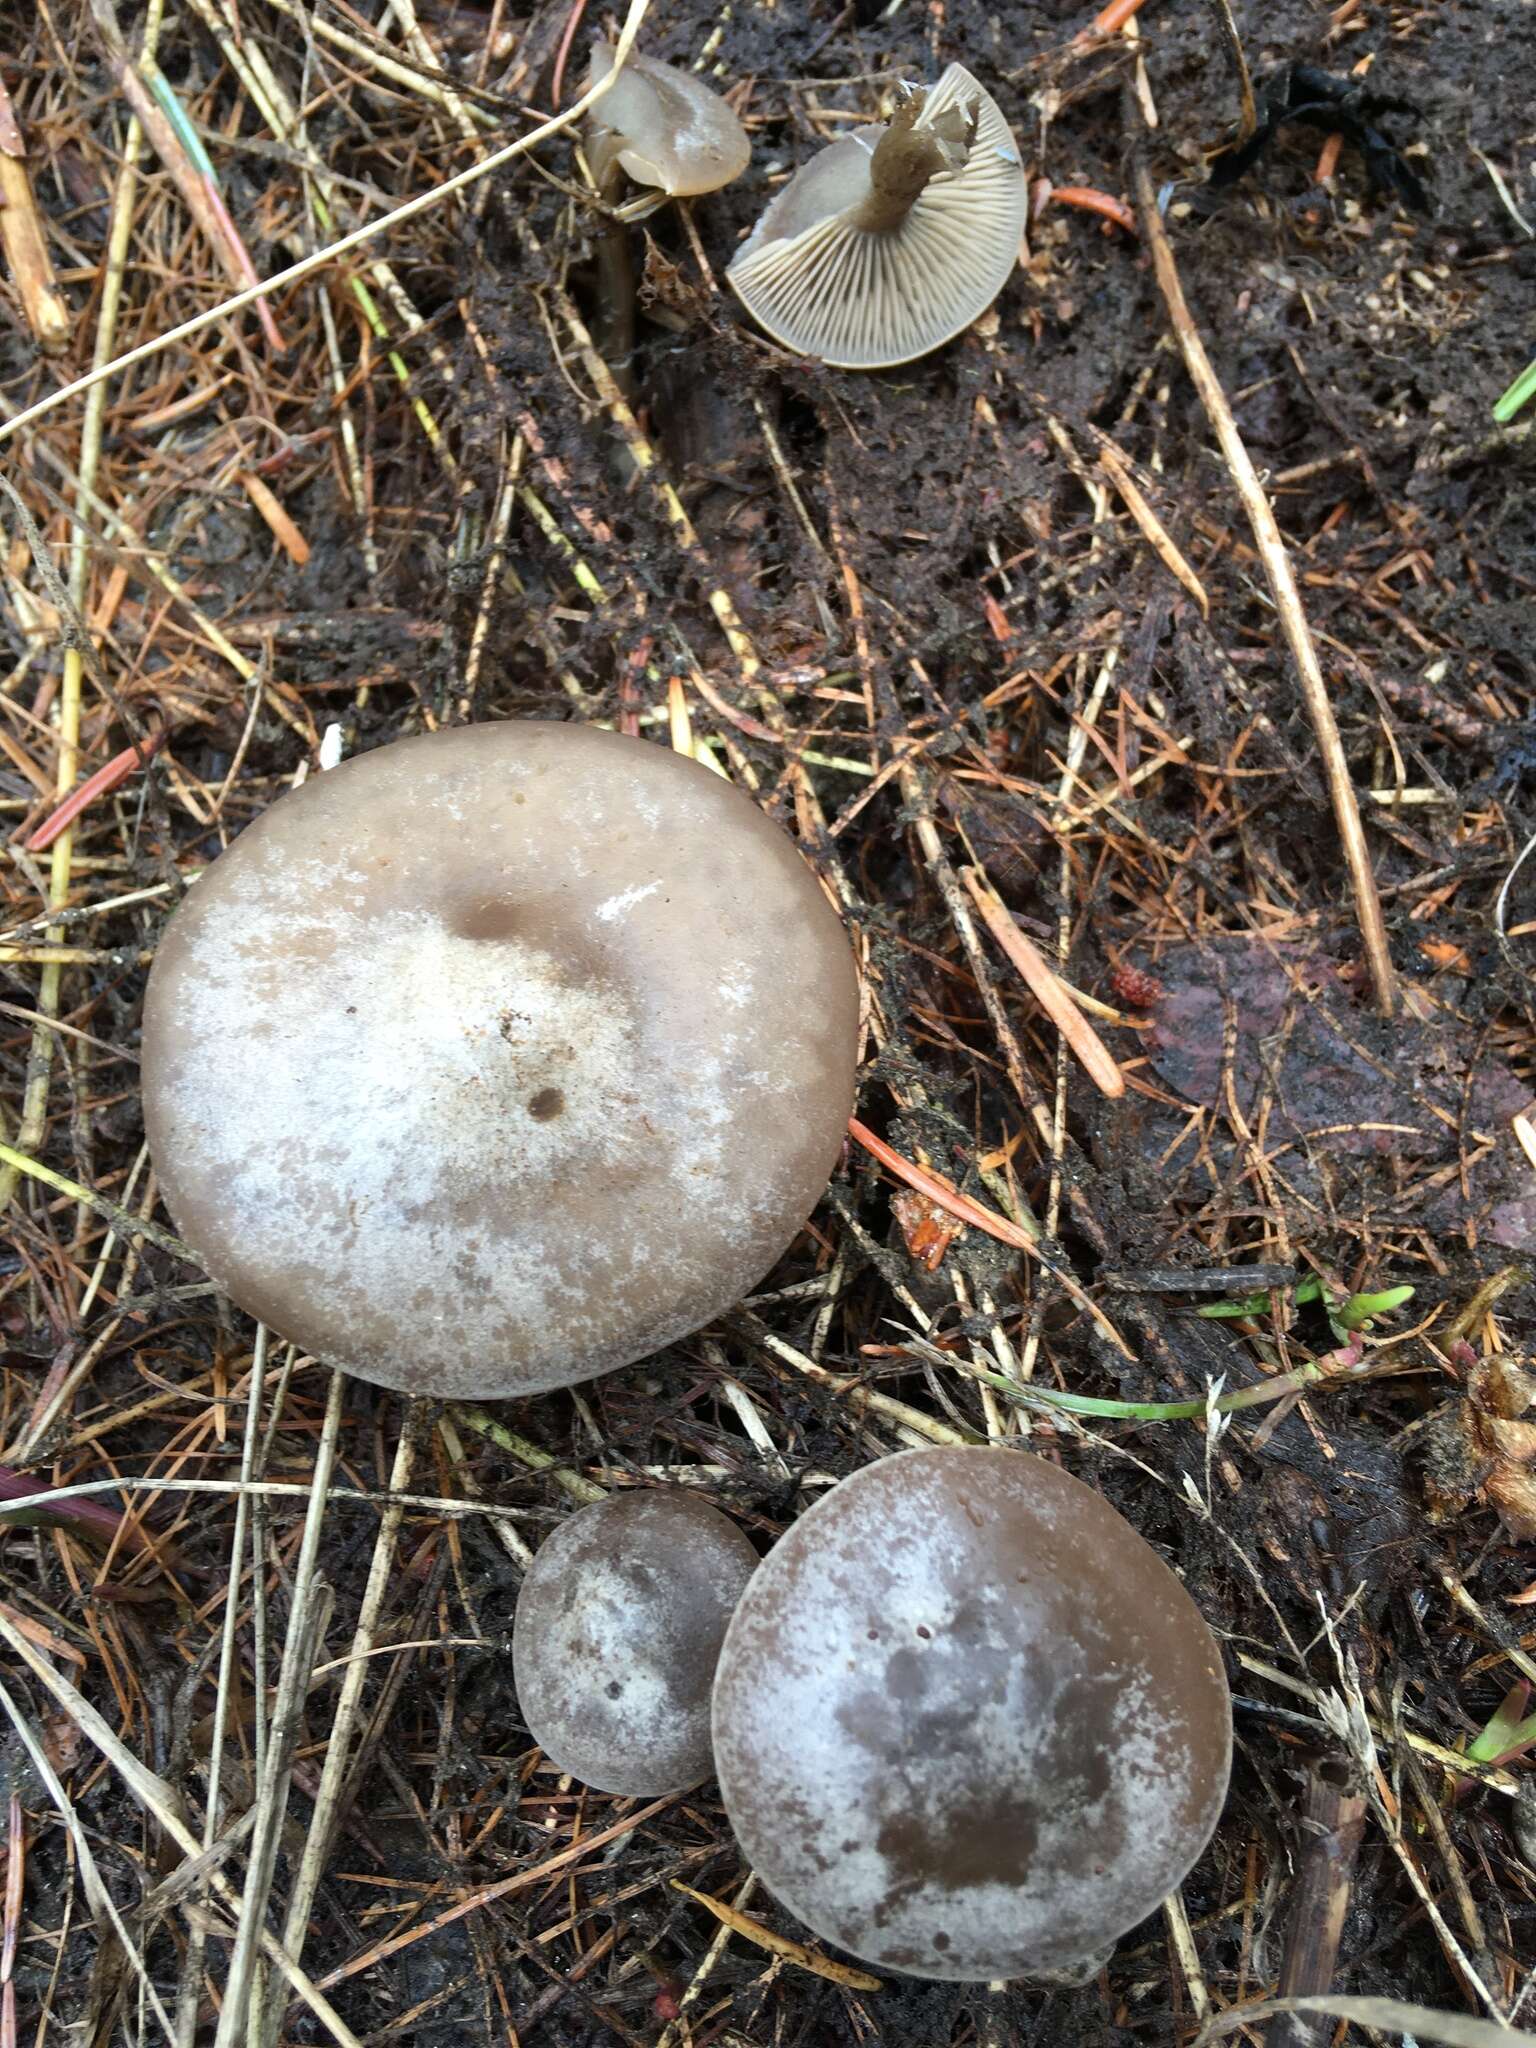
{"x":309,"y":1598}
{"x":901,"y":1415}
{"x":158,"y":1799}
{"x":192,"y":1970}
{"x":731,"y":1916}
{"x":1182,"y":1937}
{"x":338,"y":1749}
{"x":1449,"y":2029}
{"x":40,"y":1063}
{"x":100,"y":1898}
{"x":948,"y":1196}
{"x":706,"y":1967}
{"x":503,"y":1888}
{"x":123,"y":1220}
{"x":1282,"y":583}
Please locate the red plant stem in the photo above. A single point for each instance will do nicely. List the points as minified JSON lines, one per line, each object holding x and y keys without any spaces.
{"x":117,"y":771}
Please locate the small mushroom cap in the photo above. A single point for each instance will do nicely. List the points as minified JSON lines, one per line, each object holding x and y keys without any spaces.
{"x":825,"y":286}
{"x":498,"y":1058}
{"x":664,"y":127}
{"x":619,"y":1625}
{"x":967,"y":1723}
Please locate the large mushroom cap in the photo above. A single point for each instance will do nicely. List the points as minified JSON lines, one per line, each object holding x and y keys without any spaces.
{"x":967,"y":1723}
{"x":664,"y":127}
{"x":824,"y":282}
{"x":496,"y":1059}
{"x":619,"y":1625}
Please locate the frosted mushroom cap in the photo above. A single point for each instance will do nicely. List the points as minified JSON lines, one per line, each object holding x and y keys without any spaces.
{"x":664,"y":127}
{"x":967,"y":1724}
{"x":619,"y":1624}
{"x":824,"y":286}
{"x":498,"y":1058}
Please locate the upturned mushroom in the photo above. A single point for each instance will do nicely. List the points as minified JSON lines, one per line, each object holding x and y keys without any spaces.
{"x":498,"y":1058}
{"x":619,"y":1625}
{"x":895,"y":239}
{"x":967,"y":1724}
{"x":668,"y":131}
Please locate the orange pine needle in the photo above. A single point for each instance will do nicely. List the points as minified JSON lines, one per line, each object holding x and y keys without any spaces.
{"x":942,"y":1191}
{"x":1093,"y":201}
{"x":272,"y":510}
{"x":1328,"y":161}
{"x":1046,"y":986}
{"x":1111,"y":19}
{"x":117,"y":771}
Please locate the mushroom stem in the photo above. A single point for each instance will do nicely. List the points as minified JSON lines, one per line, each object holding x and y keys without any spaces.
{"x":613,"y":328}
{"x":904,"y":160}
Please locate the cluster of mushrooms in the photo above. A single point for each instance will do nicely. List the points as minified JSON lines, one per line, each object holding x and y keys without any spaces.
{"x":882,"y":247}
{"x":496,"y":1059}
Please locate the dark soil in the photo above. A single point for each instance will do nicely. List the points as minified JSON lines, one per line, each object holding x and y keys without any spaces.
{"x":955,"y":574}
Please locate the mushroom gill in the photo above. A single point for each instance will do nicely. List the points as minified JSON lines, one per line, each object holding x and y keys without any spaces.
{"x":892,"y":241}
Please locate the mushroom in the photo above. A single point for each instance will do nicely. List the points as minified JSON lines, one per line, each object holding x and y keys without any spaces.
{"x":666,"y":129}
{"x":497,"y":1058}
{"x":618,"y":1627}
{"x":890,"y":242}
{"x":967,"y":1724}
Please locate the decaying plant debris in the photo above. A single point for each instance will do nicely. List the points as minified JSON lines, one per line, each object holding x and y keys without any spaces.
{"x":1001,"y":634}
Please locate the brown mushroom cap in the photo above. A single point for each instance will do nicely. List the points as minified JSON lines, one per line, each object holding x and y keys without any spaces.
{"x":619,"y":1625}
{"x":664,"y":127}
{"x":967,"y":1723}
{"x":499,"y":1058}
{"x":864,"y":280}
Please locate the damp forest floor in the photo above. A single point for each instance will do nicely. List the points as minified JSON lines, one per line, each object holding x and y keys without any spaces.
{"x":995,"y":637}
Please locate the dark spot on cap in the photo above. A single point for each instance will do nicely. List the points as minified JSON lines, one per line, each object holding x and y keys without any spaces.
{"x":546,"y":1104}
{"x":974,"y":1843}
